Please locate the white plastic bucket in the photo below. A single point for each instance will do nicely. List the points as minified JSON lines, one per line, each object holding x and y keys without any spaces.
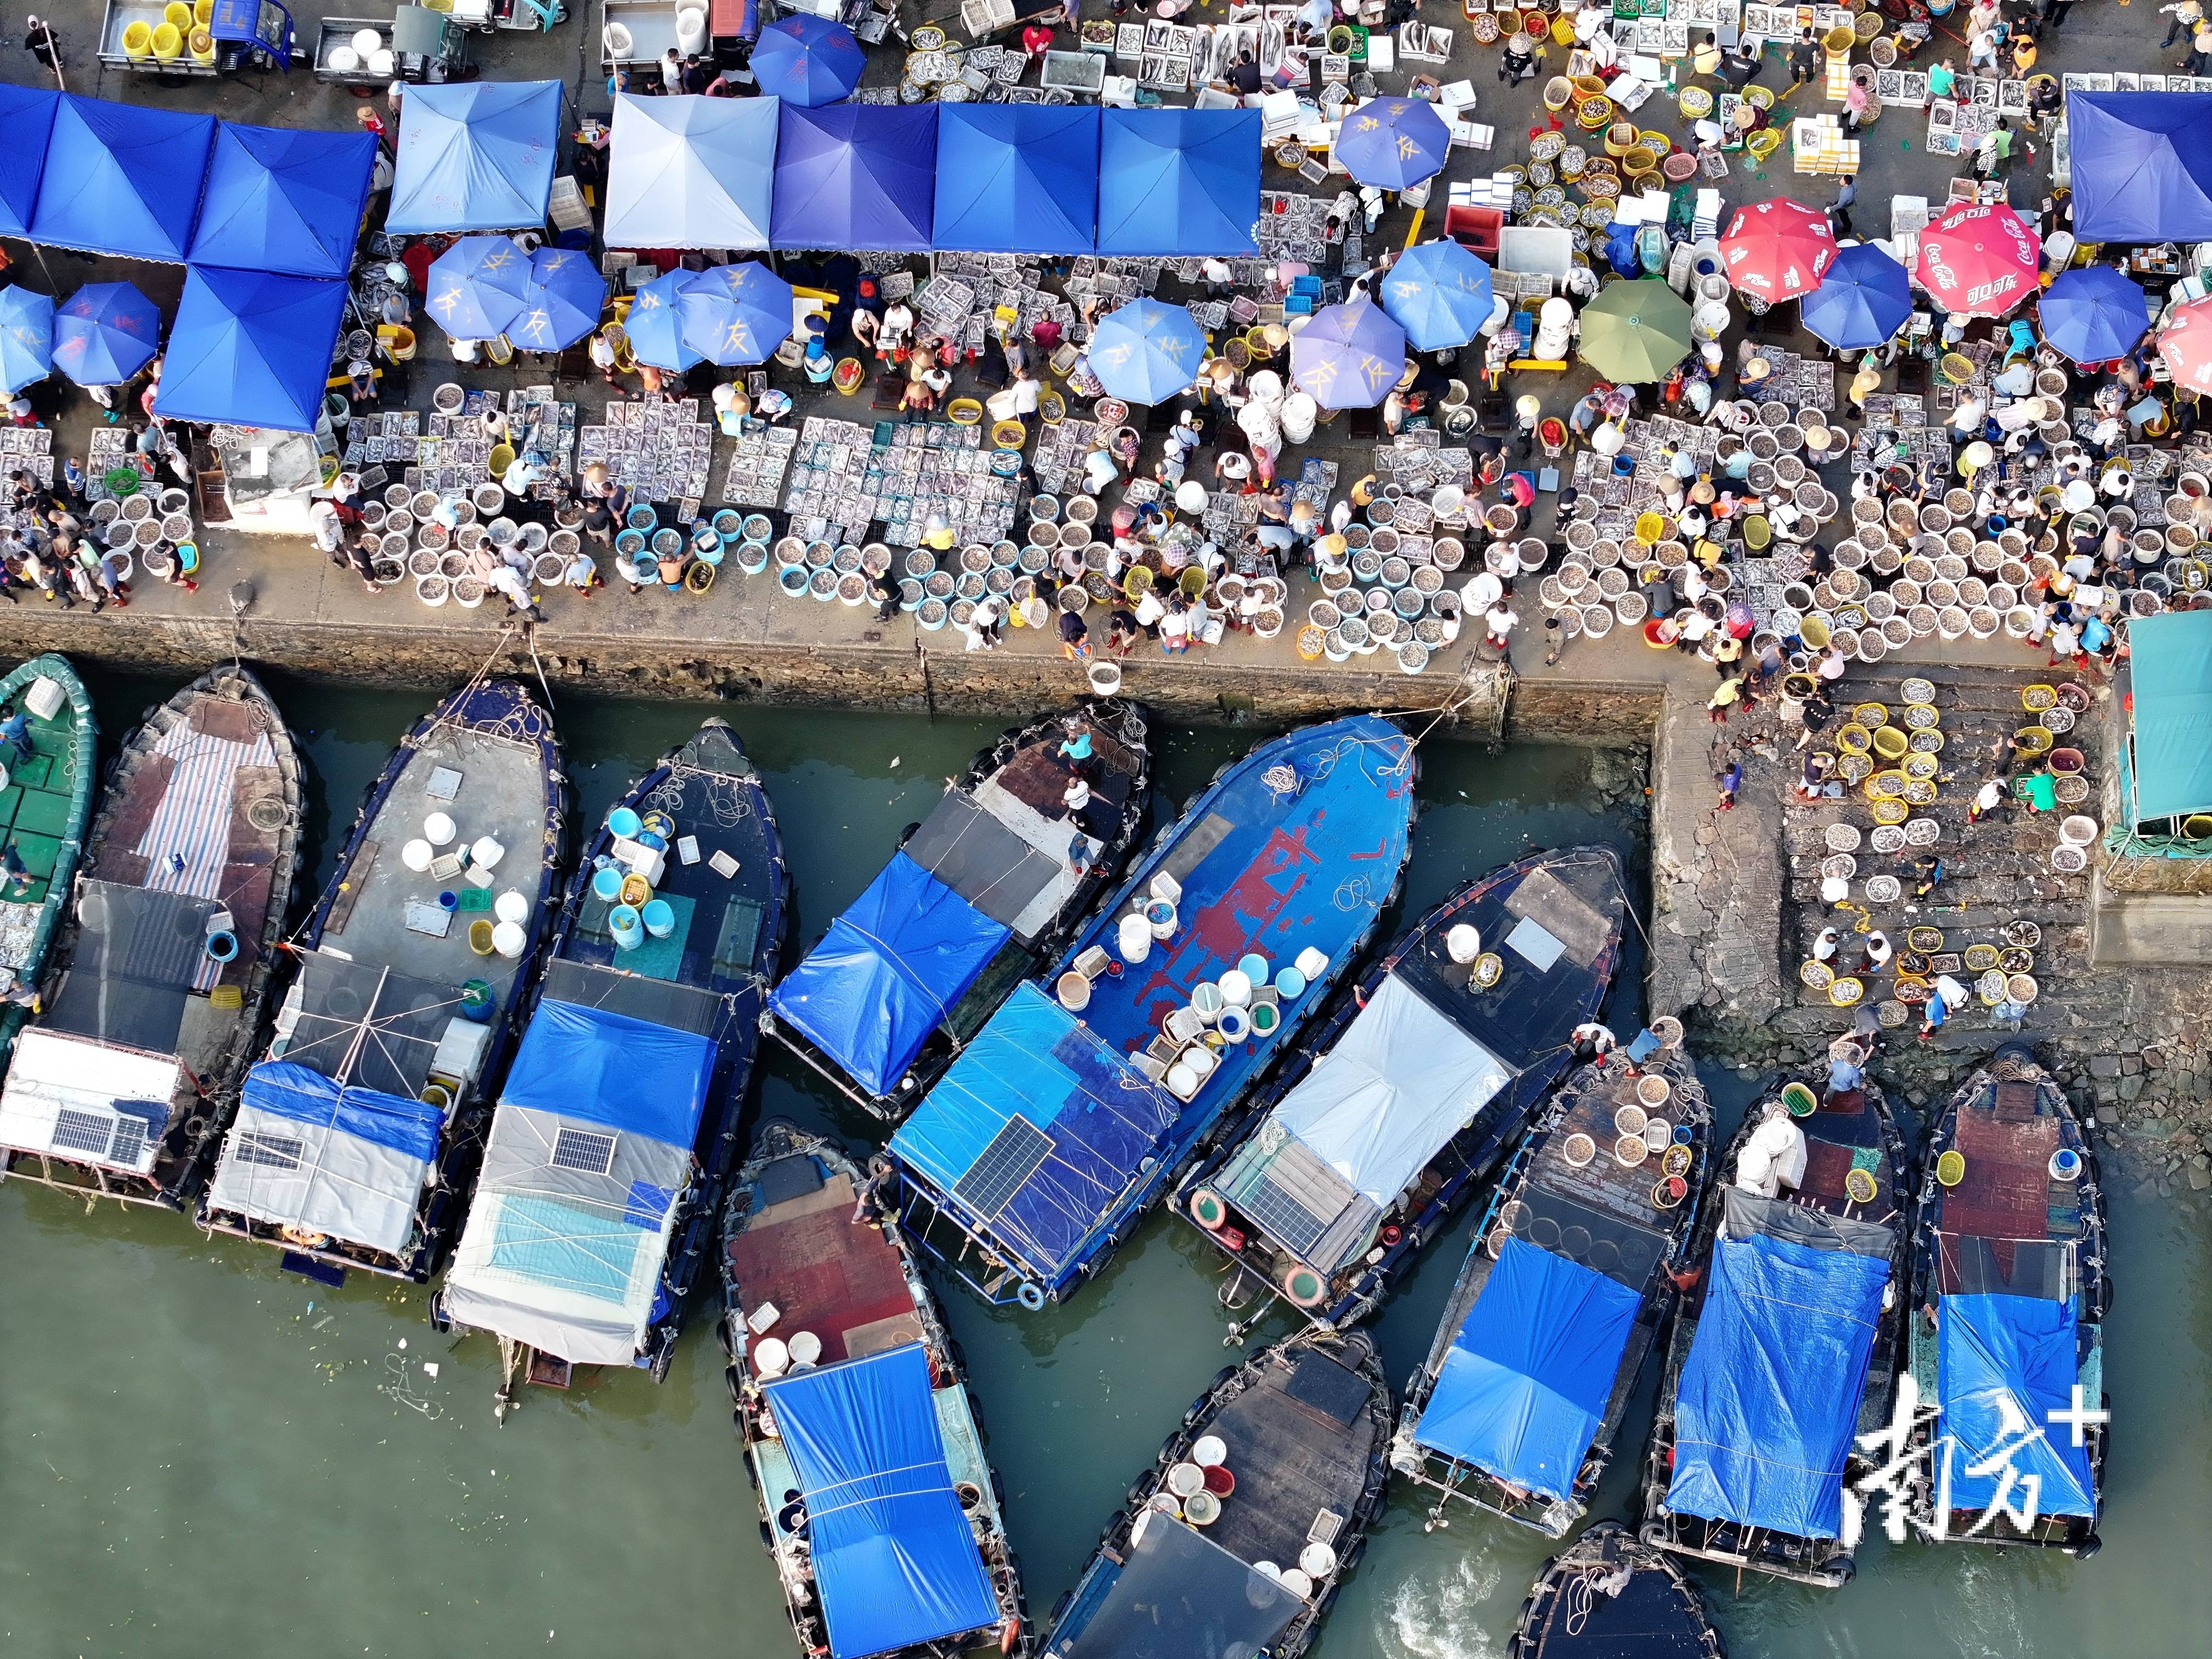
{"x":1135,"y":937}
{"x":1074,"y":992}
{"x":508,"y":939}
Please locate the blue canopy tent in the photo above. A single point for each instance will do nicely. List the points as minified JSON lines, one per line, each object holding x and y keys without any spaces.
{"x":1349,"y":356}
{"x":895,"y":1559}
{"x":861,"y":177}
{"x":1147,"y":351}
{"x":1016,"y":178}
{"x":2002,"y":1362}
{"x":2095,"y":313}
{"x":561,"y":301}
{"x":105,"y":333}
{"x":1439,"y":294}
{"x":1862,"y":302}
{"x":27,"y":114}
{"x":808,"y":61}
{"x":283,"y":199}
{"x":599,"y":1067}
{"x":888,"y":973}
{"x":1523,"y":1389}
{"x":2142,"y":166}
{"x":475,"y":155}
{"x":475,"y":287}
{"x":122,"y":179}
{"x":2169,"y":763}
{"x":690,"y":172}
{"x":1178,"y":181}
{"x":250,"y":349}
{"x":1392,"y":143}
{"x":26,"y":337}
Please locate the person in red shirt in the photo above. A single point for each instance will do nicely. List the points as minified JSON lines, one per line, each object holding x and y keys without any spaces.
{"x":1037,"y":39}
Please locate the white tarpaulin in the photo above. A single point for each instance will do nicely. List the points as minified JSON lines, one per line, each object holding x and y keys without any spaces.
{"x":1398,"y":1085}
{"x":320,"y":1180}
{"x":85,"y":1102}
{"x":690,"y":172}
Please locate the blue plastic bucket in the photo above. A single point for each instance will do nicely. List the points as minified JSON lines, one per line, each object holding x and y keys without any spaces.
{"x":659,"y":917}
{"x":222,"y":946}
{"x":1289,"y":984}
{"x":793,"y":579}
{"x":623,"y":923}
{"x":752,"y":557}
{"x":479,"y":1002}
{"x":624,"y":822}
{"x":1254,"y":968}
{"x":930,"y":614}
{"x":607,"y":885}
{"x":641,"y":517}
{"x":729,"y":525}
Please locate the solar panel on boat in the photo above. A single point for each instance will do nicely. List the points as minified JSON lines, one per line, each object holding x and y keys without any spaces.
{"x":1012,"y":1158}
{"x":1284,"y":1218}
{"x":579,"y":1149}
{"x":82,"y":1132}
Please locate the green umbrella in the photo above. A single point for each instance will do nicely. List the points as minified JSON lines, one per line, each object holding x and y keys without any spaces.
{"x":1636,"y":330}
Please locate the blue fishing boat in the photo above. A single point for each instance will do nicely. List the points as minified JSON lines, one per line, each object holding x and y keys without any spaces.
{"x":163,"y":966}
{"x":45,"y":806}
{"x":1073,"y":1108}
{"x":2010,"y":1287}
{"x":357,"y":1134}
{"x":1608,"y":1596}
{"x":980,"y":894}
{"x":617,"y":1128}
{"x":1238,"y":1538}
{"x":878,"y":1501}
{"x":1564,"y":1295}
{"x":1374,"y":1131}
{"x":1784,"y":1350}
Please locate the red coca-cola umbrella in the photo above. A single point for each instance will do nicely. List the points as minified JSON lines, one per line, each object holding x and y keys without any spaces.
{"x":1977,"y":260}
{"x":2186,"y":345}
{"x":1777,"y":250}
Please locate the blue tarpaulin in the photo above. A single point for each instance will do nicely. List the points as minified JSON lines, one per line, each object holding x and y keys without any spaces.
{"x":122,"y":179}
{"x":286,"y":1089}
{"x":2142,"y":166}
{"x":26,"y":337}
{"x":284,"y":198}
{"x":888,"y":973}
{"x":1178,"y":181}
{"x":690,"y":172}
{"x":1016,"y":178}
{"x":475,"y":155}
{"x":861,"y":177}
{"x":1523,"y":1389}
{"x":893,"y":1559}
{"x":606,"y":1068}
{"x":1769,"y":1396}
{"x":26,"y":115}
{"x":2171,"y":664}
{"x":2003,"y":1365}
{"x":250,"y":349}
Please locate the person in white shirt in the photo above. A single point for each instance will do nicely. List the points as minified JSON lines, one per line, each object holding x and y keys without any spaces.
{"x":1501,"y":623}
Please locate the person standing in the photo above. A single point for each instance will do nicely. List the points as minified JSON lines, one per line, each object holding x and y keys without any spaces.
{"x":43,"y":44}
{"x":1839,"y":215}
{"x":372,"y":125}
{"x":2186,"y":13}
{"x":1804,"y":60}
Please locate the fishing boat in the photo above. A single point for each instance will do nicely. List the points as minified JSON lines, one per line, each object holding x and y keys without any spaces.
{"x":358,"y":1132}
{"x":1607,"y":1596}
{"x":1562,"y":1299}
{"x":617,"y":1127}
{"x":1784,"y":1352}
{"x":45,"y":806}
{"x":2009,"y":1293}
{"x":979,"y":895}
{"x":1238,"y":1539}
{"x":1070,"y":1112}
{"x":164,"y":961}
{"x":1378,"y":1127}
{"x":885,"y":1519}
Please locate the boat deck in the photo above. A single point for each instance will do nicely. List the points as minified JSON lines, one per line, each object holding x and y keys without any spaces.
{"x":1846,"y":1133}
{"x":1299,"y":1442}
{"x":800,"y":1250}
{"x":34,"y":814}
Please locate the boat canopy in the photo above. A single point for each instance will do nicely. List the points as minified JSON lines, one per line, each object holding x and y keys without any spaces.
{"x":2005,"y":1364}
{"x":87,"y":1101}
{"x":1524,"y":1386}
{"x":1180,"y":1595}
{"x":1770,"y":1395}
{"x":895,"y":1559}
{"x":888,"y":973}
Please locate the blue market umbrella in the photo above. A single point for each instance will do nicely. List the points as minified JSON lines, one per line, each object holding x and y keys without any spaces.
{"x":26,"y":337}
{"x":1348,"y":356}
{"x":1392,"y":143}
{"x":735,"y":314}
{"x":1862,"y":302}
{"x":807,"y":61}
{"x":105,"y":333}
{"x":2093,"y":314}
{"x":1439,"y":294}
{"x":1147,"y":351}
{"x":655,"y":326}
{"x":476,"y":287}
{"x":560,"y":302}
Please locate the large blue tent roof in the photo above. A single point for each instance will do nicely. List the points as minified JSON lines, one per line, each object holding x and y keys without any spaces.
{"x":2171,"y":666}
{"x":602,"y":1068}
{"x":2004,"y":1364}
{"x":861,"y":177}
{"x":26,"y":115}
{"x":1016,"y":178}
{"x":888,"y":973}
{"x":1769,"y":1396}
{"x":475,"y":155}
{"x":1183,"y":181}
{"x":250,"y":349}
{"x":122,"y":179}
{"x":691,"y":172}
{"x":284,"y":198}
{"x":2142,"y":166}
{"x":894,"y":1558}
{"x":1523,"y":1388}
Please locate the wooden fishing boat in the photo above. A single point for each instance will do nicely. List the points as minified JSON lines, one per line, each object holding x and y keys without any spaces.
{"x":2010,"y":1287}
{"x":1564,"y":1295}
{"x":1238,"y":1539}
{"x":1261,"y":896}
{"x":885,"y":1517}
{"x":1375,"y":1131}
{"x":164,"y":961}
{"x":1788,"y":1339}
{"x":618,"y":1126}
{"x":45,"y":806}
{"x":1607,"y":1596}
{"x":980,"y":893}
{"x":358,"y":1133}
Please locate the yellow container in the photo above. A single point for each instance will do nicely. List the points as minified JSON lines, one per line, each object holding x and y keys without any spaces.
{"x":1890,"y":742}
{"x":202,"y":46}
{"x":203,"y":12}
{"x":1763,"y":143}
{"x":169,"y":44}
{"x":398,"y":341}
{"x":502,"y":457}
{"x":177,"y":16}
{"x":1637,"y":163}
{"x":138,"y":41}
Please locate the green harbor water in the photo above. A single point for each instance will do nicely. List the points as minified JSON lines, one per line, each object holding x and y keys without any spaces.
{"x":202,"y":1455}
